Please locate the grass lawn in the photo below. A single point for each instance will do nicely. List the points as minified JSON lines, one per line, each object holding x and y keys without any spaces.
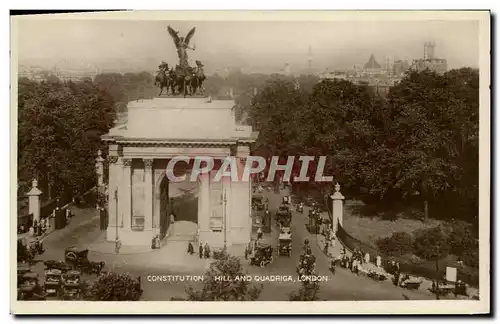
{"x":369,"y":229}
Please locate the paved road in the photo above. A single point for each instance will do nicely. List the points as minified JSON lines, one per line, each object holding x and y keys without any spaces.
{"x":344,"y":285}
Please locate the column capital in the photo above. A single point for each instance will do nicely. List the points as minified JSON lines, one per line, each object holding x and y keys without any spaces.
{"x":127,"y":162}
{"x":148,"y":163}
{"x":112,"y":159}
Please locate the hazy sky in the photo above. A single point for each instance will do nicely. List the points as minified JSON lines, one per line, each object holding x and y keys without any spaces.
{"x":334,"y":43}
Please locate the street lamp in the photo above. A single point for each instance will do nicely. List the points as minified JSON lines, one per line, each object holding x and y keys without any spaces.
{"x":117,"y":239}
{"x":224,"y":200}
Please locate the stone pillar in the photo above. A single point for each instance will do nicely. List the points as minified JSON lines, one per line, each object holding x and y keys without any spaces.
{"x":34,"y":200}
{"x":112,"y":197}
{"x":148,"y":194}
{"x":227,"y":208}
{"x":99,"y":170}
{"x":204,"y":204}
{"x":337,"y":208}
{"x":126,"y":197}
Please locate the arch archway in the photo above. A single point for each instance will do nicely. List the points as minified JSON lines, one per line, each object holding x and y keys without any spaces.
{"x":180,"y":199}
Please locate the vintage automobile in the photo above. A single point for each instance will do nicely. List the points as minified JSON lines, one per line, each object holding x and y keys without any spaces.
{"x":78,"y":259}
{"x":262,"y":255}
{"x":71,"y":284}
{"x":30,"y":292}
{"x":59,"y":265}
{"x":258,"y":202}
{"x":30,"y":288}
{"x":52,"y":282}
{"x":283,"y":216}
{"x":285,"y":244}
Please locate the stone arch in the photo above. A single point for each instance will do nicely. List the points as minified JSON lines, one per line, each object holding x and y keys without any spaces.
{"x":185,"y":207}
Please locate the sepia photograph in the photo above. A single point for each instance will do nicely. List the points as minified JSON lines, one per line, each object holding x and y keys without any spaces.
{"x":244,"y":162}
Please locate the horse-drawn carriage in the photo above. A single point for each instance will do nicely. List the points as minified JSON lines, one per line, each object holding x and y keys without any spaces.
{"x":78,"y":259}
{"x":262,"y":255}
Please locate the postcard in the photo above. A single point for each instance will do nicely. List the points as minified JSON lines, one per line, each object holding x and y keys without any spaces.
{"x":244,"y":162}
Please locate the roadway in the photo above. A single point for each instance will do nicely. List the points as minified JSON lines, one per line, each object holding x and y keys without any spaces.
{"x":344,"y":285}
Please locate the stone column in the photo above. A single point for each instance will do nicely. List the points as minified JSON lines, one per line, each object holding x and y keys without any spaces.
{"x":227,"y":205}
{"x":126,"y":197}
{"x":112,"y":197}
{"x":34,"y":200}
{"x":148,"y":194}
{"x":99,"y":169}
{"x":337,"y":208}
{"x":204,"y":205}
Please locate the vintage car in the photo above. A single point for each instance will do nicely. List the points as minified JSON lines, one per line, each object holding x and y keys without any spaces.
{"x":52,"y":282}
{"x":59,"y":265}
{"x":258,"y":202}
{"x":71,"y":284}
{"x":283,"y":216}
{"x":78,"y":259}
{"x":262,"y":255}
{"x":30,"y":278}
{"x":30,"y":292}
{"x":284,"y":245}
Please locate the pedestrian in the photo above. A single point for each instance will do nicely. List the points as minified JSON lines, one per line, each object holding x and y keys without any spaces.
{"x":259,"y":234}
{"x":207,"y":251}
{"x":190,"y":248}
{"x":367,"y":257}
{"x":200,"y":250}
{"x":326,"y":248}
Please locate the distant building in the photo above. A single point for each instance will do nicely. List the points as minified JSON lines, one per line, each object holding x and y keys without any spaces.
{"x":400,"y":67}
{"x":372,"y":66}
{"x":429,"y":61}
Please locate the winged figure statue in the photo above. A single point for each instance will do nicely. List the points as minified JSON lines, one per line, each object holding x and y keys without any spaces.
{"x":182,"y":45}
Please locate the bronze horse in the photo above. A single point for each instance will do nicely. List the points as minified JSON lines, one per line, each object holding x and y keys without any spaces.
{"x":164,"y":80}
{"x":185,"y":81}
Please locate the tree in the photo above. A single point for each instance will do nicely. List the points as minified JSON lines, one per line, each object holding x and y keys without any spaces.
{"x":60,"y":125}
{"x":116,"y":287}
{"x":463,"y":243}
{"x":429,"y":113}
{"x":432,"y":244}
{"x":224,"y":281}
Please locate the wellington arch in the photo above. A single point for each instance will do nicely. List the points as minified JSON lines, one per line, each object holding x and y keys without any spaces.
{"x":156,"y":131}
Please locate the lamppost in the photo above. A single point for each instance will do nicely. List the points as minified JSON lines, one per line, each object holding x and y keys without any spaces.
{"x":117,"y":239}
{"x":224,"y":200}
